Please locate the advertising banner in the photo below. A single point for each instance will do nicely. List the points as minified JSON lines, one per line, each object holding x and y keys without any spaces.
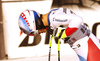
{"x":20,"y":45}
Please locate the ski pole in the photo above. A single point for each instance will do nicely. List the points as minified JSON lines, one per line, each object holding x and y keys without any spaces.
{"x":59,"y":49}
{"x":50,"y":47}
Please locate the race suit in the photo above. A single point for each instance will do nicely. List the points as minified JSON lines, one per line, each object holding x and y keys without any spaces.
{"x":83,"y":42}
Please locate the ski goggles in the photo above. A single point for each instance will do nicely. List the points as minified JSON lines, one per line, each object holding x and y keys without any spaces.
{"x":34,"y":33}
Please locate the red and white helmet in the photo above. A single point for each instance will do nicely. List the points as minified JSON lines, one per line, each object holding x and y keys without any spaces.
{"x":27,"y":22}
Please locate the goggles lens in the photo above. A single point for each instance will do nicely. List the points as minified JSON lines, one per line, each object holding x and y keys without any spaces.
{"x":34,"y":33}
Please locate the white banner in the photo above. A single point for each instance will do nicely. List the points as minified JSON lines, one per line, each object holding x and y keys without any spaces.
{"x":21,"y":45}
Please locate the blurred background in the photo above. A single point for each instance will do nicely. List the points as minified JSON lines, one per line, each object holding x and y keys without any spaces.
{"x":14,"y":45}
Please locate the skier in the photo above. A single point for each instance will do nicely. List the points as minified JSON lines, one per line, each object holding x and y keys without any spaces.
{"x":76,"y":34}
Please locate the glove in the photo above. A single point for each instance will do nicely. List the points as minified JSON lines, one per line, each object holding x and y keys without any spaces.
{"x":50,"y":30}
{"x":60,"y":33}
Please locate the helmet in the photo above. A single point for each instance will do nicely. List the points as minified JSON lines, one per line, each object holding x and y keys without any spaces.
{"x":27,"y":22}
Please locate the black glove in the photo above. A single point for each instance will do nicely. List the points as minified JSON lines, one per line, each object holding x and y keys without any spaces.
{"x":50,"y":30}
{"x":60,"y":33}
{"x":66,"y":39}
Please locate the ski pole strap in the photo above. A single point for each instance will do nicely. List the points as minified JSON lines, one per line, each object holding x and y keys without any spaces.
{"x":59,"y":32}
{"x":59,"y":44}
{"x":51,"y":40}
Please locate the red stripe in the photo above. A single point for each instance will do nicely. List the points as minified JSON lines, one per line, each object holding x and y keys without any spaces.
{"x":69,"y":31}
{"x":29,"y":12}
{"x":21,"y":33}
{"x":24,"y":17}
{"x":93,"y":51}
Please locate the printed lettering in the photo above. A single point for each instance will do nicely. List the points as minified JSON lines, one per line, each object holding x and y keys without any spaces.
{"x":36,"y":41}
{"x":59,"y":20}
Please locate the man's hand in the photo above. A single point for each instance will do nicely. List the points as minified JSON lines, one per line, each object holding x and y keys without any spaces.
{"x":60,"y":33}
{"x":50,"y":30}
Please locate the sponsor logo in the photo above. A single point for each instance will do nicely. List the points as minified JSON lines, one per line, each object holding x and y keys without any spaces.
{"x":59,"y":20}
